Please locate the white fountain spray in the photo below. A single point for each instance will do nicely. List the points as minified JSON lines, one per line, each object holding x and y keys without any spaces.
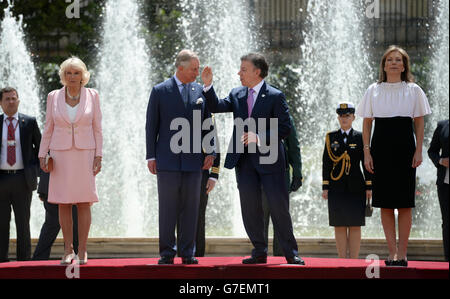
{"x":439,"y":74}
{"x":426,"y":222}
{"x":334,"y":67}
{"x":127,"y":191}
{"x":17,"y":70}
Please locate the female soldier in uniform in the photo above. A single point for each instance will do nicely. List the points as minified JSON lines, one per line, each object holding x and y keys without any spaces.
{"x":344,"y":184}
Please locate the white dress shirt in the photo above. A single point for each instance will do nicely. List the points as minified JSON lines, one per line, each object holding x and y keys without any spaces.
{"x":4,"y":150}
{"x":256,"y":90}
{"x":347,"y":132}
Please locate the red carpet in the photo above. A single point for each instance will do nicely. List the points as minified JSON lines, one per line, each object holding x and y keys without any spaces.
{"x":221,"y":268}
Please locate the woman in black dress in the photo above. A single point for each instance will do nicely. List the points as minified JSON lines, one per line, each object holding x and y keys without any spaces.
{"x":344,"y":185}
{"x":398,"y":106}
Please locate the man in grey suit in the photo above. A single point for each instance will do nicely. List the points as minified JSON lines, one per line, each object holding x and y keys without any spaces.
{"x":175,"y":155}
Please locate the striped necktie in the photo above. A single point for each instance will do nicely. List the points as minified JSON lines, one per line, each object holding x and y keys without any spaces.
{"x":11,"y":148}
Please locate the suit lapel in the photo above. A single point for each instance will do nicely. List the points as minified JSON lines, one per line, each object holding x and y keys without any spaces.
{"x":82,"y":105}
{"x":260,"y":99}
{"x":192,"y":96}
{"x":61,"y":104}
{"x":178,"y":99}
{"x":444,"y":135}
{"x":242,"y":100}
{"x":22,"y":131}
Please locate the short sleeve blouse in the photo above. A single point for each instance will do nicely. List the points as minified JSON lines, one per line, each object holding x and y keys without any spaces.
{"x":392,"y":100}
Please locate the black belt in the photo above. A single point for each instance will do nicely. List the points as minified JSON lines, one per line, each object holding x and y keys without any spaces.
{"x":3,"y":171}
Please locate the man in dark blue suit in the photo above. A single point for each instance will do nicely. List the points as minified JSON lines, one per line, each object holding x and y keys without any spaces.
{"x":260,"y":162}
{"x":438,"y":153}
{"x":19,"y":166}
{"x":175,"y":155}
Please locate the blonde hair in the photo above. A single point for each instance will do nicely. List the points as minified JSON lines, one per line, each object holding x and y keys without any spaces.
{"x":75,"y":63}
{"x":406,"y":76}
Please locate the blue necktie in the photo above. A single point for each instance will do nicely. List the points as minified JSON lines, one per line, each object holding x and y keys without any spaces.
{"x":185,"y":94}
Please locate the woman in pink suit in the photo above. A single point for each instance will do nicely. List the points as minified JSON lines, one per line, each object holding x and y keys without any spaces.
{"x":73,"y":134}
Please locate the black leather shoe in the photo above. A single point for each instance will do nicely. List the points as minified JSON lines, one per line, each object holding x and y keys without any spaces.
{"x":400,"y":263}
{"x":189,"y":260}
{"x":255,"y":260}
{"x":389,"y":262}
{"x":165,"y":260}
{"x":296,"y":260}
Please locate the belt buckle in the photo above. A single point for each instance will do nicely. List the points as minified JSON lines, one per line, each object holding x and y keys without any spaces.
{"x":10,"y":171}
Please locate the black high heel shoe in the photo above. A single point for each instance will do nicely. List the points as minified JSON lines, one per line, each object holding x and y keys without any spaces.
{"x":389,"y":262}
{"x":401,"y":263}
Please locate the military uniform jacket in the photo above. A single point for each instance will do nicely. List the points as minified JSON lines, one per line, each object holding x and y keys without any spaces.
{"x":215,"y":169}
{"x":342,"y":163}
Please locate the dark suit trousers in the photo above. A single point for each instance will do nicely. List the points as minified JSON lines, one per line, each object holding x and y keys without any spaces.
{"x":277,"y":251}
{"x":249,"y":184}
{"x":178,"y":198}
{"x":443,"y":202}
{"x":14,"y":192}
{"x":200,"y":239}
{"x":50,"y":230}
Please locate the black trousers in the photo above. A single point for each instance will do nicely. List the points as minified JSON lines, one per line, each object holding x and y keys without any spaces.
{"x":14,"y":193}
{"x":250,"y":184}
{"x":50,"y":230}
{"x":277,"y":250}
{"x":443,"y":202}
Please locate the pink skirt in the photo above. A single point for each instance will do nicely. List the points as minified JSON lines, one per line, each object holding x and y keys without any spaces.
{"x":72,"y":180}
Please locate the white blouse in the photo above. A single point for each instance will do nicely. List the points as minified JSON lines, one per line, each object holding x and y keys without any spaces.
{"x":393,"y":99}
{"x":72,"y":111}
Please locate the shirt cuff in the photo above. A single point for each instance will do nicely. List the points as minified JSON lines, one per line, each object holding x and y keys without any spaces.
{"x":207,"y":88}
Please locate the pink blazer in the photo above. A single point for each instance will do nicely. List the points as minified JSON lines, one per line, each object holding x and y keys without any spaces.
{"x":85,"y":133}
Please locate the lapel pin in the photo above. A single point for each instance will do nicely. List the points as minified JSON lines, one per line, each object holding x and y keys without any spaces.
{"x":263,"y":95}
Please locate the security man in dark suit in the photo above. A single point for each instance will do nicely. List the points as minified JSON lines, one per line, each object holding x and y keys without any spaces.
{"x":344,"y":185}
{"x":438,"y":153}
{"x":294,"y":166}
{"x":51,"y":227}
{"x":19,"y":166}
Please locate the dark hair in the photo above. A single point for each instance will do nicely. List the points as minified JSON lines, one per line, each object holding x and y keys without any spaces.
{"x":258,"y":61}
{"x":7,"y":89}
{"x":407,"y":76}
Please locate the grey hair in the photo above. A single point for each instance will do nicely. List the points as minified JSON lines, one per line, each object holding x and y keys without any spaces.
{"x":185,"y":57}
